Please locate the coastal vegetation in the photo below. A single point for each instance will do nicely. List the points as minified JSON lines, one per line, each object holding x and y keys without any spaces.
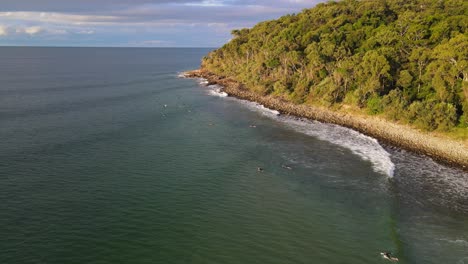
{"x":405,"y":60}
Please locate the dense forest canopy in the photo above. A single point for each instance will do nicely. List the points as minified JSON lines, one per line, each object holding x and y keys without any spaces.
{"x":404,"y":59}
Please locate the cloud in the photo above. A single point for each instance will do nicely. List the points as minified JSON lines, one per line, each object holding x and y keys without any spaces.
{"x":3,"y":30}
{"x":13,"y":31}
{"x":154,"y":15}
{"x":56,"y":31}
{"x":83,"y":5}
{"x":76,"y":6}
{"x":32,"y":30}
{"x":179,"y":22}
{"x":57,"y":18}
{"x":206,"y":3}
{"x":86,"y":32}
{"x":150,"y":43}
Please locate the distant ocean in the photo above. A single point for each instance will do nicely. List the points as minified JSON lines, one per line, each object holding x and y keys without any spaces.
{"x":108,"y":156}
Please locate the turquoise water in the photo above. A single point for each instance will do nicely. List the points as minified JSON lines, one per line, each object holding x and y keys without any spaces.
{"x":108,"y":157}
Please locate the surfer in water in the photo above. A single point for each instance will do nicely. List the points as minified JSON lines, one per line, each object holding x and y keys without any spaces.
{"x":388,"y":255}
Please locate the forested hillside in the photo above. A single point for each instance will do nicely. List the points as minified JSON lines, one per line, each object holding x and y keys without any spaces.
{"x":404,"y":59}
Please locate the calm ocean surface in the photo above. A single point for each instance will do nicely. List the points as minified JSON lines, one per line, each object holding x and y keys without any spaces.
{"x":106,"y":156}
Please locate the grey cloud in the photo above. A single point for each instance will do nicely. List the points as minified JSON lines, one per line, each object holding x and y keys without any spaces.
{"x":200,"y":14}
{"x":144,"y":22}
{"x":159,"y":11}
{"x":77,"y":5}
{"x":106,"y":5}
{"x":279,"y":2}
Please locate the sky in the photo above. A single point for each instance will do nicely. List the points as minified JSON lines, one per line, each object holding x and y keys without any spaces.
{"x":134,"y":23}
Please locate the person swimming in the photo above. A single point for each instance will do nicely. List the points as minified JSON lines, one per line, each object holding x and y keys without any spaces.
{"x":388,"y":255}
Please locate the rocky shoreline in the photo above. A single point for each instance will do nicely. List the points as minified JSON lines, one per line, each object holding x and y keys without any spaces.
{"x":444,"y":150}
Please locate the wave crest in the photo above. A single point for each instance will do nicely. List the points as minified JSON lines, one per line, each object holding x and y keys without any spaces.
{"x":364,"y":146}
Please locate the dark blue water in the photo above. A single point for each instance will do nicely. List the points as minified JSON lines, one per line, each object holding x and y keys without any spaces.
{"x":106,"y":156}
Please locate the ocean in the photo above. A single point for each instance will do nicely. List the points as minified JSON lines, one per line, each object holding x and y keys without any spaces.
{"x":107,"y":155}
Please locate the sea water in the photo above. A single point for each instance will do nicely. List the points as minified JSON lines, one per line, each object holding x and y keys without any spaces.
{"x":107,"y":156}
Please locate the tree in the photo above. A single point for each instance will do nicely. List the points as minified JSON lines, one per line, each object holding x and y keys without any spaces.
{"x":372,"y":74}
{"x":405,"y":58}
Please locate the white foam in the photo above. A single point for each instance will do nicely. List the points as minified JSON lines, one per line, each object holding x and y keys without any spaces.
{"x":460,"y":242}
{"x":182,"y":75}
{"x":366,"y":147}
{"x":271,"y":111}
{"x":201,"y":81}
{"x":260,"y":108}
{"x":448,"y":186}
{"x":216,"y":90}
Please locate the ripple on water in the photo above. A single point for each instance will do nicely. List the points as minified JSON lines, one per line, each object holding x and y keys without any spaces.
{"x":425,"y":181}
{"x":366,"y":147}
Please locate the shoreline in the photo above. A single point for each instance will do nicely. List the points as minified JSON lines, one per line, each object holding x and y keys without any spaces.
{"x":444,"y":150}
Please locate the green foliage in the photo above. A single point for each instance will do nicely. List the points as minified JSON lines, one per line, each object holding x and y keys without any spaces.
{"x":394,"y":105}
{"x":273,"y":63}
{"x":431,"y":115}
{"x":405,"y":79}
{"x":374,"y":105}
{"x":407,"y":59}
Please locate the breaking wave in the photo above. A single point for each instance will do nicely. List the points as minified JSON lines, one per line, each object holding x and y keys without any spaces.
{"x":364,"y":146}
{"x":216,"y":90}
